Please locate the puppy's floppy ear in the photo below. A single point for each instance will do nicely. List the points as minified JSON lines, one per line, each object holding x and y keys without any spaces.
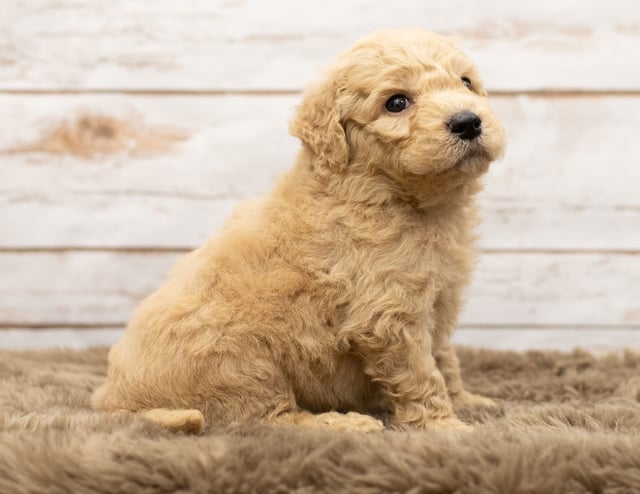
{"x":317,"y":124}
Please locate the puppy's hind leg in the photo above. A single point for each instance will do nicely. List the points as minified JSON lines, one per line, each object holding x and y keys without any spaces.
{"x":350,"y":421}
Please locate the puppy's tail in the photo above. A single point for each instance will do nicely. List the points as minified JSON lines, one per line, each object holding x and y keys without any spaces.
{"x":189,"y":421}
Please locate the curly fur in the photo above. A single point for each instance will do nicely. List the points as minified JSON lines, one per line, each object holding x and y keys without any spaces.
{"x":339,"y":291}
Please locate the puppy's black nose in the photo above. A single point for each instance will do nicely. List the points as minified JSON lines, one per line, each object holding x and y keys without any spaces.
{"x":466,"y":125}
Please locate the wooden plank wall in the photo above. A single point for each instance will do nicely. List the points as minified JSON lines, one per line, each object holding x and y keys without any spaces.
{"x":129,"y":131}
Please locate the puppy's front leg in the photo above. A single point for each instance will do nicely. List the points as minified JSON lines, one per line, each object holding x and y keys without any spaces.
{"x":449,"y":365}
{"x":398,"y":357}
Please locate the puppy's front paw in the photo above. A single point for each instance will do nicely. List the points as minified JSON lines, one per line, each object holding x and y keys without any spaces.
{"x":336,"y":421}
{"x":467,"y":399}
{"x":448,"y":424}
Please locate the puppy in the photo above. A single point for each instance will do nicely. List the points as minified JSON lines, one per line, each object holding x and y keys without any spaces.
{"x":333,"y":299}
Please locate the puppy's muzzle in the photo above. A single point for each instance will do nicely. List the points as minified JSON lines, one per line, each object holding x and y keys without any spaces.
{"x":465,"y":125}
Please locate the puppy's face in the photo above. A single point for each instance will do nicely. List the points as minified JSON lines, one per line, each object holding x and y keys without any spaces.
{"x":408,"y":103}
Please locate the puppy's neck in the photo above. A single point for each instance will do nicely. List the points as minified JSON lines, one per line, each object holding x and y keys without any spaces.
{"x":368,"y":186}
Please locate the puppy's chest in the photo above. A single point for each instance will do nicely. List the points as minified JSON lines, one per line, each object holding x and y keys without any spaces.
{"x":414,"y":257}
{"x":433,"y":259}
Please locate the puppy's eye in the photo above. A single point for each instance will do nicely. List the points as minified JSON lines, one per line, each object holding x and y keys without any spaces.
{"x":467,"y":82}
{"x":397,"y":103}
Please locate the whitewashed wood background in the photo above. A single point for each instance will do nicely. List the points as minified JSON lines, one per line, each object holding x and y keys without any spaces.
{"x":130,"y":129}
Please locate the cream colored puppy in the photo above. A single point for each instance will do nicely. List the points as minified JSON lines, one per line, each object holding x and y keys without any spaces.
{"x":339,"y":291}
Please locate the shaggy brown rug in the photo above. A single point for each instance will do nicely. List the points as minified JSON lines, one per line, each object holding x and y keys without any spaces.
{"x":567,"y":423}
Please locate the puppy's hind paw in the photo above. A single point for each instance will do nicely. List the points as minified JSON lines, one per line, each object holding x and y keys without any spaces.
{"x":364,"y":423}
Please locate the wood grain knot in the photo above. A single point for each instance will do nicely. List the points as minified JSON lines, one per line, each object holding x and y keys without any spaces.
{"x":90,"y":135}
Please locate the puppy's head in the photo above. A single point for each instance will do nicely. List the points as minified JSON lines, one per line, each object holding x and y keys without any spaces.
{"x":407,"y":103}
